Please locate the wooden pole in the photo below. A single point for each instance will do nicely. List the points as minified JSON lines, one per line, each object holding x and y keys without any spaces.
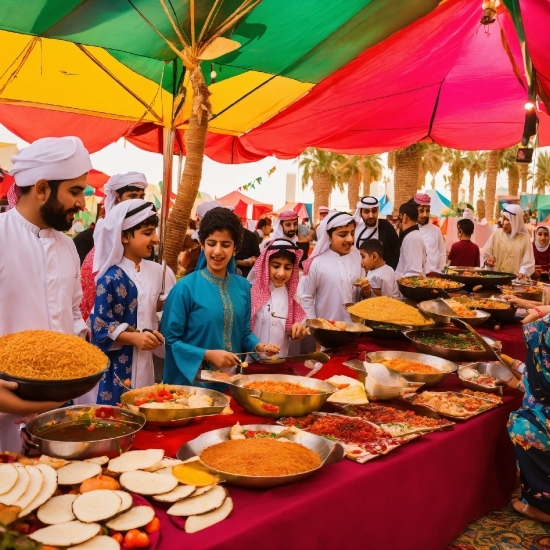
{"x":168,"y":161}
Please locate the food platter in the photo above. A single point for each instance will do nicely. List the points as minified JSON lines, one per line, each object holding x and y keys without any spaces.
{"x":477,"y":277}
{"x":505,"y":312}
{"x":455,"y":405}
{"x":167,"y":415}
{"x":330,"y":338}
{"x":362,"y":441}
{"x":526,"y":292}
{"x":421,"y":289}
{"x":91,"y":444}
{"x":429,"y":379}
{"x":428,"y":341}
{"x":437,"y":310}
{"x":496,"y":371}
{"x":328,"y":451}
{"x":276,"y":405}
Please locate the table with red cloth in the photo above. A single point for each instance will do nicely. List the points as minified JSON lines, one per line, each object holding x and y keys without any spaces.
{"x":418,"y":497}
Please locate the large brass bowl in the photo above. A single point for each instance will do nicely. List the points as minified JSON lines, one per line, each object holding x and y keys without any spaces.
{"x":335,"y":338}
{"x":277,"y":405}
{"x":445,"y":367}
{"x":169,"y":417}
{"x":328,"y":451}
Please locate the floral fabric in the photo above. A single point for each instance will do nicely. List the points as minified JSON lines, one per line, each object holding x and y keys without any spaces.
{"x":88,"y":285}
{"x":115,"y":303}
{"x":529,"y":427}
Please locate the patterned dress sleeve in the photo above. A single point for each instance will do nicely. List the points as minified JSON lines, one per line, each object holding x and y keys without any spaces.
{"x":115,"y":303}
{"x":88,"y":285}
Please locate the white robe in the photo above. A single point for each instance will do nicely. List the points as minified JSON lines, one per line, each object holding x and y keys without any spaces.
{"x":148,"y":281}
{"x":329,"y":285}
{"x":412,"y":257}
{"x":362,"y":233}
{"x":435,"y":245}
{"x":512,"y":255}
{"x":272,"y":329}
{"x":40,"y":283}
{"x":383,"y":279}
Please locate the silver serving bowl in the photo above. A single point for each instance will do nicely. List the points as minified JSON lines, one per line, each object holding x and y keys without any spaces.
{"x":445,"y":367}
{"x":496,"y":370}
{"x":388,"y":326}
{"x":80,"y":450}
{"x":421,"y":294}
{"x":174,"y":417}
{"x":35,"y":389}
{"x":335,"y":338}
{"x":484,"y":278}
{"x":328,"y":451}
{"x":437,"y":311}
{"x":526,"y":292}
{"x":449,"y":353}
{"x":277,"y":405}
{"x":502,"y":315}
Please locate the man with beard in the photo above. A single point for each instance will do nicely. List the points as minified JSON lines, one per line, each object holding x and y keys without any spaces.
{"x":39,"y":265}
{"x":433,"y":239}
{"x":412,"y":256}
{"x":369,"y":226}
{"x":285,"y":227}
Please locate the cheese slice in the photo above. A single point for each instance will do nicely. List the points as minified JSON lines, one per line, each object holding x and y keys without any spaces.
{"x":352,"y":395}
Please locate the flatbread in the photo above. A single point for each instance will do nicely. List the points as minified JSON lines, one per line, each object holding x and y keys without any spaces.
{"x":66,"y":534}
{"x":17,"y":491}
{"x":77,"y":472}
{"x":148,"y":483}
{"x":137,"y":517}
{"x":352,"y":395}
{"x":136,"y":460}
{"x":58,"y":509}
{"x":49,"y":487}
{"x":8,"y":477}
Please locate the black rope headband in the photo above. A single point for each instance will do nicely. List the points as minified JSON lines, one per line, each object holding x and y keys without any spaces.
{"x":140,"y":208}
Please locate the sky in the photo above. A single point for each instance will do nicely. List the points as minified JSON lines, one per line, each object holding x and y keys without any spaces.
{"x":221,"y":179}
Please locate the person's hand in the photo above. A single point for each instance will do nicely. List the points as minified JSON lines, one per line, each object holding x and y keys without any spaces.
{"x":148,"y":341}
{"x":531,"y":316}
{"x":268,"y":349}
{"x":491,"y":261}
{"x":8,"y":385}
{"x":518,"y":302}
{"x":221,"y":359}
{"x":252,"y":260}
{"x":366,"y":289}
{"x":298,"y":331}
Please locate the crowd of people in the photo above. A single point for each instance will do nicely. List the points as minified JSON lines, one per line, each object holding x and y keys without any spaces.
{"x":249,"y":292}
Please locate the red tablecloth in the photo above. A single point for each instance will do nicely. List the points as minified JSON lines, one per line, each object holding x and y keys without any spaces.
{"x":418,"y":497}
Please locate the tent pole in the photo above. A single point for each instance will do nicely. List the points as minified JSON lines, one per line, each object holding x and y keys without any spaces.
{"x":180,"y":166}
{"x":168,"y":161}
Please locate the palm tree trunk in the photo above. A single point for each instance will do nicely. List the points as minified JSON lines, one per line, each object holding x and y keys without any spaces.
{"x":322,"y":188}
{"x":405,"y":175}
{"x":523,"y":169}
{"x":513,"y":180}
{"x":491,"y":186}
{"x":471,"y":187}
{"x":187,"y":189}
{"x":354,"y":183}
{"x":480,"y":209}
{"x":421,"y":176}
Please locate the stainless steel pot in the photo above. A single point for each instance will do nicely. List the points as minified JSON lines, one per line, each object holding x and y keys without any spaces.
{"x":79,"y":450}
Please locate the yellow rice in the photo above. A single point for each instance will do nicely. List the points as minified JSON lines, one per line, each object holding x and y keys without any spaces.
{"x":388,"y":310}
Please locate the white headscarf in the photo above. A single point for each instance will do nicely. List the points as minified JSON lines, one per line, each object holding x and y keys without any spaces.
{"x":514,"y":213}
{"x":107,"y":236}
{"x":467,"y":214}
{"x":118,"y":181}
{"x":333,"y":219}
{"x":278,"y":232}
{"x":365,"y":202}
{"x":205,"y":207}
{"x":63,"y":158}
{"x":537,"y":246}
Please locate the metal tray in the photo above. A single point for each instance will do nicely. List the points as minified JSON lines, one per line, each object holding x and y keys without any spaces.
{"x":490,"y":280}
{"x":328,"y":451}
{"x":507,"y":315}
{"x":436,"y":309}
{"x":487,"y":402}
{"x":393,"y":327}
{"x":335,"y":338}
{"x":168,"y":417}
{"x":448,"y":353}
{"x":445,"y":367}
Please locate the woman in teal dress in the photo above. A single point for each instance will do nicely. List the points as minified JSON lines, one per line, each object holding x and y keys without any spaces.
{"x":206,"y":319}
{"x":529,"y":427}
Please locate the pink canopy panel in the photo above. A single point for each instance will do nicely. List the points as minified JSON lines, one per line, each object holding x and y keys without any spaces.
{"x":441,"y":78}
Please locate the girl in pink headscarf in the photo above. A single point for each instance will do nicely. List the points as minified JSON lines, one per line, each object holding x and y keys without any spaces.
{"x":276,"y":312}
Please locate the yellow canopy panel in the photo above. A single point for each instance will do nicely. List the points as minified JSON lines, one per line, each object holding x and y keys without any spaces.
{"x":56,"y":74}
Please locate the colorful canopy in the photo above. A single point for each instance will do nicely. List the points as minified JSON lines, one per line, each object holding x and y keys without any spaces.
{"x":241,"y":202}
{"x":357,"y":76}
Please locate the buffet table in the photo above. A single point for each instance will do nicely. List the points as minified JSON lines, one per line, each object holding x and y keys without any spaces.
{"x":418,"y":497}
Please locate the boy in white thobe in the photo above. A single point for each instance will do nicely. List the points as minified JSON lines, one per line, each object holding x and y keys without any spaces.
{"x":332,"y":268}
{"x":39,"y":265}
{"x":128,"y":289}
{"x":412,"y":256}
{"x":433,"y":238}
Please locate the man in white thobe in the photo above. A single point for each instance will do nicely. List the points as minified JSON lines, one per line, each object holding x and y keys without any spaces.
{"x":330,"y":271}
{"x":39,"y":265}
{"x":510,"y":249}
{"x":412,"y":256}
{"x":433,"y":238}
